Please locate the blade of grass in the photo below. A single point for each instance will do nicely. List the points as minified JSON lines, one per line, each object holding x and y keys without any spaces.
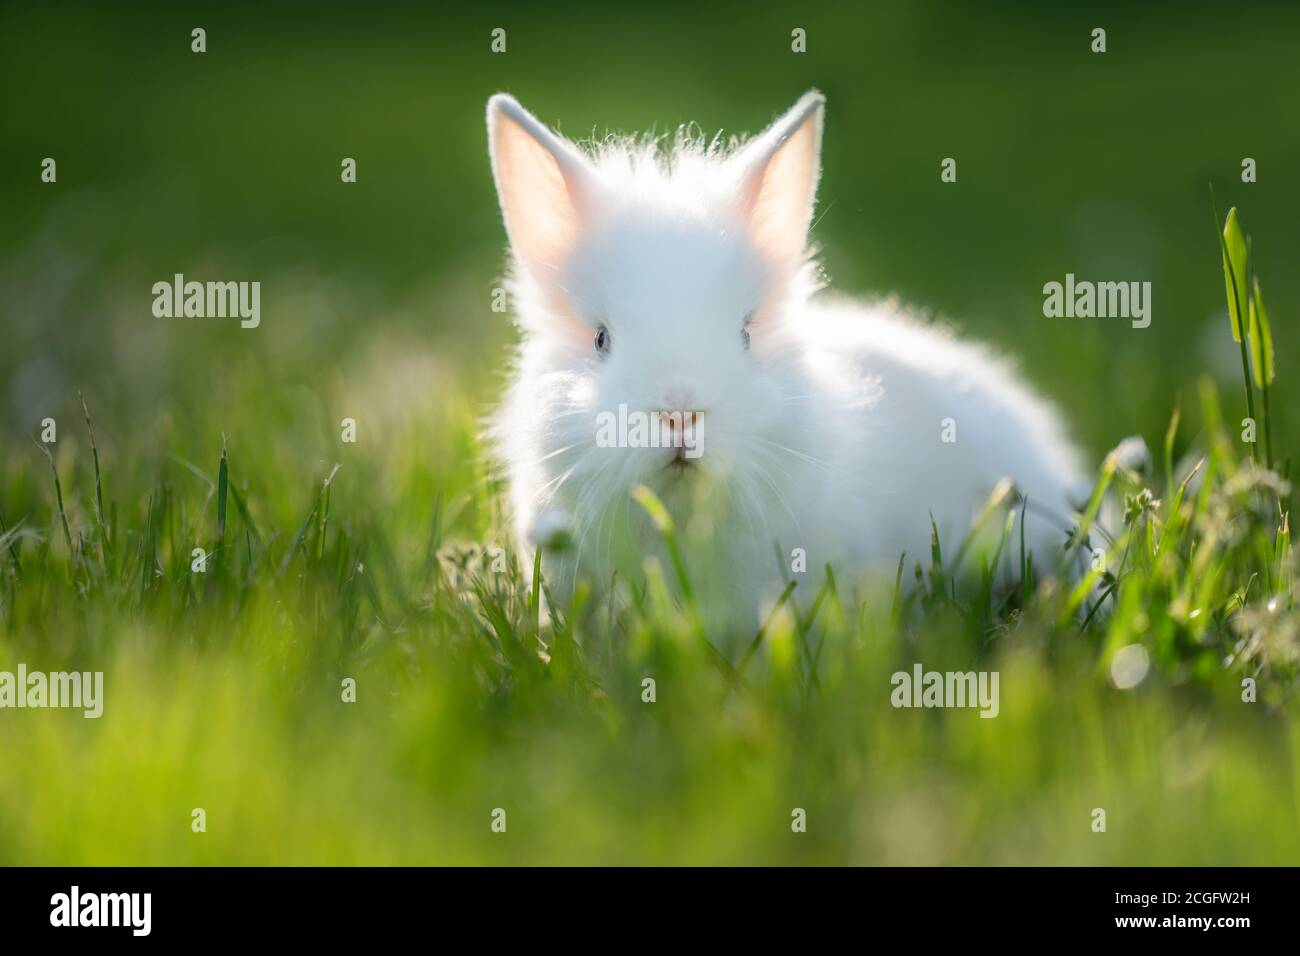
{"x":324,"y":516}
{"x":1262,"y":354}
{"x":1170,"y":434}
{"x":663,"y":521}
{"x":10,"y":539}
{"x":1233,"y":246}
{"x":105,"y":543}
{"x":58,"y":495}
{"x":535,"y":595}
{"x":306,"y":525}
{"x":223,"y":485}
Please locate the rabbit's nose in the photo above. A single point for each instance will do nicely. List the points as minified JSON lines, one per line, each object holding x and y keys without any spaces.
{"x":680,"y":398}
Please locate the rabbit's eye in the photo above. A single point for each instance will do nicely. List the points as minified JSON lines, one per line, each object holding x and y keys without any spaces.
{"x":602,"y":340}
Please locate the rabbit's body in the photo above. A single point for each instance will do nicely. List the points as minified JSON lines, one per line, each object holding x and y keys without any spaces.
{"x":830,"y":432}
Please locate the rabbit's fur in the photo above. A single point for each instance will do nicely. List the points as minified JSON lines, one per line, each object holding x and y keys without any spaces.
{"x":823,"y":420}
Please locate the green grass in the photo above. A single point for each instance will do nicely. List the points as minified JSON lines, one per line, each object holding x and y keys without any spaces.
{"x":329,"y":560}
{"x":224,"y":688}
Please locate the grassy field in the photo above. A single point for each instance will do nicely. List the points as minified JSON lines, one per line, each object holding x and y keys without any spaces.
{"x":224,"y":689}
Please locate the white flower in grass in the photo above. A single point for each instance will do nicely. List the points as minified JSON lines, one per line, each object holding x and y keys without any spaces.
{"x":552,"y":531}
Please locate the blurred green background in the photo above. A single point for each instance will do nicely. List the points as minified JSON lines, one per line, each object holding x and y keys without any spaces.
{"x":226,"y":165}
{"x":376,"y":299}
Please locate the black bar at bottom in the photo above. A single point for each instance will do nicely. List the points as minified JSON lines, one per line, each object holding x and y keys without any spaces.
{"x":334,"y":906}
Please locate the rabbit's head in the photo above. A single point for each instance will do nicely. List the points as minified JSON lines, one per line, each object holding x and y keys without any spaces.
{"x":652,"y":283}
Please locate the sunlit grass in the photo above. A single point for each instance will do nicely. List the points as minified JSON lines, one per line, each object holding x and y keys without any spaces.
{"x":333,"y":560}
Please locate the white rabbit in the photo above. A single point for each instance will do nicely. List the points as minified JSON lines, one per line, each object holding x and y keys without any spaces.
{"x":682,"y":281}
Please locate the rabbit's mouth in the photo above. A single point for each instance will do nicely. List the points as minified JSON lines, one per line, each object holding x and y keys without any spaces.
{"x":679,"y":463}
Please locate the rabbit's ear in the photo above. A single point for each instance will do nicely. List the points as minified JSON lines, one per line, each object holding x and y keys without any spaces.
{"x":543,"y":183}
{"x":779,"y":173}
